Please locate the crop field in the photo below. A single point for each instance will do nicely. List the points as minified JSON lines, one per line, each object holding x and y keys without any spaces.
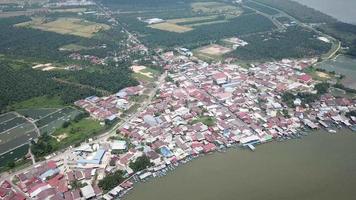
{"x":55,"y":120}
{"x":7,"y":116}
{"x":37,"y":113}
{"x":15,"y":131}
{"x":171,"y":27}
{"x":214,"y":50}
{"x":12,"y":123}
{"x":13,"y":156}
{"x":72,"y":26}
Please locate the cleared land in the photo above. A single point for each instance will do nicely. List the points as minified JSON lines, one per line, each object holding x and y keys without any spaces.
{"x":72,"y":26}
{"x":171,"y":27}
{"x":73,"y":47}
{"x":214,"y":50}
{"x":143,"y":73}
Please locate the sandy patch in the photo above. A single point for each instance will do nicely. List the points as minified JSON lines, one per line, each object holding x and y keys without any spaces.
{"x":140,"y":70}
{"x":323,"y":75}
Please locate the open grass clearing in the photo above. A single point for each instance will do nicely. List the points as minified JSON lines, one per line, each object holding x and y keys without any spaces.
{"x":73,"y":47}
{"x":39,"y":102}
{"x":171,"y":27}
{"x":207,"y":23}
{"x":207,"y":120}
{"x":192,"y":19}
{"x":76,"y":132}
{"x":143,"y":73}
{"x":72,"y":26}
{"x":215,"y":8}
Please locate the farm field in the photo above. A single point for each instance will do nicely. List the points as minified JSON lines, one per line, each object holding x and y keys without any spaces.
{"x":7,"y":116}
{"x":5,"y":125}
{"x":55,"y":120}
{"x":37,"y":113}
{"x":15,"y":131}
{"x":13,"y":156}
{"x":72,"y":26}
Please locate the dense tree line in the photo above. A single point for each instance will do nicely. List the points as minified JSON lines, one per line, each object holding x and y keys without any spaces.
{"x":111,"y":180}
{"x":42,"y":147}
{"x":296,"y":42}
{"x":201,"y":35}
{"x":299,"y":11}
{"x":147,"y":5}
{"x":141,"y":163}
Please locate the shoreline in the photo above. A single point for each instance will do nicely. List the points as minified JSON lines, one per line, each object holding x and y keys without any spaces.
{"x":170,"y":168}
{"x":237,"y":147}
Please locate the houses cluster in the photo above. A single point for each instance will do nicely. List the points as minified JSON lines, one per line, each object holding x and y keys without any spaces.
{"x":8,"y":192}
{"x":109,"y":107}
{"x":49,"y":181}
{"x":201,"y":108}
{"x":92,"y":59}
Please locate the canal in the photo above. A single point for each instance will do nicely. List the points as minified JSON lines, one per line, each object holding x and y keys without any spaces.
{"x":319,"y":166}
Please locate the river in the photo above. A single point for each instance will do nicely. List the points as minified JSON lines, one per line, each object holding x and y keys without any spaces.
{"x":343,"y":10}
{"x":319,"y":166}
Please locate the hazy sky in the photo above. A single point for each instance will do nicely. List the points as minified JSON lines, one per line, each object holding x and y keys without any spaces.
{"x":344,"y":10}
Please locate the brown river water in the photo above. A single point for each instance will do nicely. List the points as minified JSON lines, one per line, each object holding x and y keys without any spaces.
{"x":321,"y":166}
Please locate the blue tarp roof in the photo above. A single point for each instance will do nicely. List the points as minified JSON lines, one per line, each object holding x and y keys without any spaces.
{"x":49,"y":173}
{"x":165,"y":152}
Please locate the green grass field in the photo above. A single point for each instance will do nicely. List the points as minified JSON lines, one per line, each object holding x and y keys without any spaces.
{"x":39,"y":102}
{"x":76,"y":132}
{"x":209,"y":121}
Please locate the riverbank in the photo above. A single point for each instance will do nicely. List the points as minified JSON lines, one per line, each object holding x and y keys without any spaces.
{"x":321,"y":166}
